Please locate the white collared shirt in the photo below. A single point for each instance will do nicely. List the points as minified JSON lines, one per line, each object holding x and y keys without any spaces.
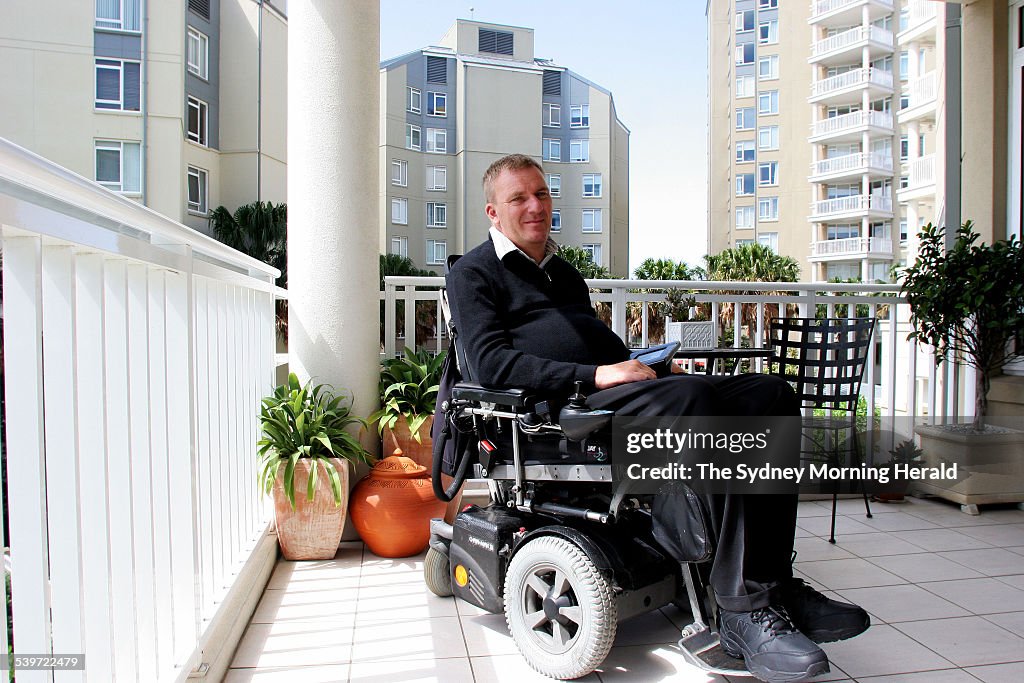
{"x":503,"y":245}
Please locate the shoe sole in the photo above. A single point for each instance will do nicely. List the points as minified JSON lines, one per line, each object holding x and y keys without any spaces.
{"x":772,"y":675}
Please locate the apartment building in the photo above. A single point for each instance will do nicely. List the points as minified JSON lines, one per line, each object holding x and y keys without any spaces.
{"x":823,"y":131}
{"x":176,"y":104}
{"x":448,"y":111}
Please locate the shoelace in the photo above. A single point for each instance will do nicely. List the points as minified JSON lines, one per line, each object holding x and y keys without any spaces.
{"x":773,"y":618}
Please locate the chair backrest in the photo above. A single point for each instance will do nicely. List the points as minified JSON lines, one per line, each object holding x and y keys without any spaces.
{"x":460,"y":354}
{"x":824,"y":358}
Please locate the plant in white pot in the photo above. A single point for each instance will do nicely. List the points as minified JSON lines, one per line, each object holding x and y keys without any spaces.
{"x":306,"y":447}
{"x":967,"y":301}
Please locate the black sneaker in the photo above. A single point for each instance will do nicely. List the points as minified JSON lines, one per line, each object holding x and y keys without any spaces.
{"x":770,"y":645}
{"x":821,"y":619}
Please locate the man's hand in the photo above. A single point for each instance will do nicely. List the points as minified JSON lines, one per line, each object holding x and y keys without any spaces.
{"x":621,"y":373}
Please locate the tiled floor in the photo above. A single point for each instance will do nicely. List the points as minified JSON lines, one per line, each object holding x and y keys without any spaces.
{"x":945,"y":592}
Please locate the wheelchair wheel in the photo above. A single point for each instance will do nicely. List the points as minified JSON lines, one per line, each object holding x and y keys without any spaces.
{"x":559,"y":607}
{"x":437,"y":573}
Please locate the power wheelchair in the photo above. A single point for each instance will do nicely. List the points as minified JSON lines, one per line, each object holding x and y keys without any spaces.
{"x":562,"y":549}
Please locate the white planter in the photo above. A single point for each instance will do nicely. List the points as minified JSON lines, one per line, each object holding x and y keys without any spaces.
{"x":990,"y":467}
{"x":691,"y":335}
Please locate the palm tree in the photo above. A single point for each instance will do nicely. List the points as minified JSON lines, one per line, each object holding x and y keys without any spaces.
{"x":656,"y":269}
{"x":750,"y":263}
{"x":426,"y":313}
{"x":581,"y":260}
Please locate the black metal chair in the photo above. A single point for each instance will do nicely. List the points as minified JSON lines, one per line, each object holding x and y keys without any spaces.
{"x":824,"y":360}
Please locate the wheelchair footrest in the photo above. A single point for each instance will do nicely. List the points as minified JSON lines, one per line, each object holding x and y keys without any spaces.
{"x":701,"y":648}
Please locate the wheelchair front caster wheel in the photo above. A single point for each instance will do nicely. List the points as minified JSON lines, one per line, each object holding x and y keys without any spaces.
{"x":437,"y":573}
{"x":560,"y":608}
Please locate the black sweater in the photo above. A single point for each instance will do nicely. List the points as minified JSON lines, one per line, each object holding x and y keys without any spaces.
{"x":521,"y":326}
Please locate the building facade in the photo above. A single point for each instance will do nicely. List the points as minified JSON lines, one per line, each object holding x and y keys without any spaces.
{"x":176,"y":104}
{"x":449,"y":111}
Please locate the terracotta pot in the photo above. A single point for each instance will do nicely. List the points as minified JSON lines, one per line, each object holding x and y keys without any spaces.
{"x":392,"y":507}
{"x":312,"y":531}
{"x":400,"y":437}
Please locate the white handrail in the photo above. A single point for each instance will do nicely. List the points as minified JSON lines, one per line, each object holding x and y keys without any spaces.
{"x":851,"y":121}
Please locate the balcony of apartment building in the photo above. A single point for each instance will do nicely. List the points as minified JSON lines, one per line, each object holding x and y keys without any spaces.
{"x":848,"y":46}
{"x":851,"y":127}
{"x":921,"y":96}
{"x":848,"y":87}
{"x":851,"y":248}
{"x":919,"y":20}
{"x":838,"y":13}
{"x":874,"y":206}
{"x":920,"y":175}
{"x":852,"y":166}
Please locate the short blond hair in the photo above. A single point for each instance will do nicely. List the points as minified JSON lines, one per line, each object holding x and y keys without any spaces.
{"x":511,"y":162}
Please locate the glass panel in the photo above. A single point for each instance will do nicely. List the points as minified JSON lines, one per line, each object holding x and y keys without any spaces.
{"x":132,"y":181}
{"x":108,"y":165}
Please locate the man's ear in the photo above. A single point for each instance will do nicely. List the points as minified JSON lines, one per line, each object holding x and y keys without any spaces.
{"x":492,"y":214}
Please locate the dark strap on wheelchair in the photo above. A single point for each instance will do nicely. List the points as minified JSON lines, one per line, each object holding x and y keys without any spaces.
{"x":448,"y":434}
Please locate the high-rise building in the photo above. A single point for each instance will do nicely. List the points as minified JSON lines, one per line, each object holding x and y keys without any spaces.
{"x":177,"y":104}
{"x":449,"y":111}
{"x":823,"y":129}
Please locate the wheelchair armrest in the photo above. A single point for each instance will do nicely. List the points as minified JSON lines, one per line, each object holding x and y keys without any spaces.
{"x":515,"y":398}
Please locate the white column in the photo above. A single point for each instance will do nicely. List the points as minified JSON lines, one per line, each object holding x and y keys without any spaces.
{"x":333,"y":137}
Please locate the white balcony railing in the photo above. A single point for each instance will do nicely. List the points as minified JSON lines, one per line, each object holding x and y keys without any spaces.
{"x":919,"y":13}
{"x":850,"y":38}
{"x":921,"y":172}
{"x":851,"y":163}
{"x":852,"y":79}
{"x":858,"y":203}
{"x":819,"y":7}
{"x":844,"y":123}
{"x":136,"y":352}
{"x":922,"y":90}
{"x":852,"y":246}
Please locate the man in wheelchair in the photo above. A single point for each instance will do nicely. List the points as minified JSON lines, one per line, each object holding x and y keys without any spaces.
{"x":525,"y":323}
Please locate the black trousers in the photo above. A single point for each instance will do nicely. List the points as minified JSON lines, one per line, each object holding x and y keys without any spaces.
{"x":752,"y":534}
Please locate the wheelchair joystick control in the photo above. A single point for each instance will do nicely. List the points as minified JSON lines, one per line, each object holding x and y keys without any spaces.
{"x":578,"y":401}
{"x":577,"y":420}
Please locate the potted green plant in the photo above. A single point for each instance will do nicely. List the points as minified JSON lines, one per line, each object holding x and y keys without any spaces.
{"x":968,"y":302}
{"x":408,"y":394}
{"x":306,"y":446}
{"x":906,"y":452}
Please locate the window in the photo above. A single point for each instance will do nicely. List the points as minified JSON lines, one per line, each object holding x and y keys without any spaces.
{"x":197,"y":121}
{"x":437,"y":104}
{"x":117,"y":85}
{"x":437,"y":178}
{"x":842,"y":232}
{"x":400,"y":211}
{"x":437,"y":70}
{"x":768,"y":137}
{"x":413,"y":100}
{"x":591,"y":184}
{"x":903,"y":230}
{"x":904,"y":148}
{"x":198,"y":53}
{"x":556,"y":220}
{"x":437,"y":215}
{"x":768,"y":32}
{"x":842,"y":271}
{"x":412,"y":136}
{"x":768,"y":208}
{"x":767,"y":4}
{"x":768,"y":68}
{"x":904,"y":66}
{"x":197,"y":182}
{"x":745,"y":53}
{"x":770,"y":240}
{"x":437,"y":252}
{"x":745,"y":118}
{"x":400,"y":246}
{"x":592,"y":221}
{"x":744,"y":21}
{"x":744,"y":151}
{"x":399,"y":172}
{"x":551,"y":115}
{"x":579,"y":116}
{"x":552,"y":149}
{"x":579,"y":150}
{"x":555,"y":184}
{"x":744,"y":184}
{"x":593,"y":252}
{"x":768,"y":102}
{"x":495,"y":42}
{"x":119,"y":15}
{"x":744,"y":86}
{"x":744,"y":216}
{"x":768,"y":173}
{"x":119,"y":166}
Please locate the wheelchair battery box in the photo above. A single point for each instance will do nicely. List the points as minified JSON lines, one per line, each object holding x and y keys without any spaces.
{"x":482,"y":541}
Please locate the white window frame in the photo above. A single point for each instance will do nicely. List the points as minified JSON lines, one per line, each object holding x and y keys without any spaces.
{"x":740,"y":118}
{"x":202,"y":109}
{"x":579,"y":150}
{"x":552,"y":149}
{"x":596,"y":185}
{"x":400,"y":172}
{"x":594,"y":252}
{"x":556,"y":220}
{"x":772,"y":62}
{"x":437,"y":215}
{"x":437,"y":178}
{"x":772,"y":135}
{"x":772,"y":179}
{"x":400,"y":246}
{"x":119,"y":147}
{"x":118,"y":23}
{"x":555,"y":184}
{"x":118,"y":66}
{"x":767,"y":4}
{"x":769,"y":36}
{"x":770,"y":240}
{"x":579,"y":116}
{"x":741,"y":187}
{"x":437,"y":104}
{"x":413,"y":137}
{"x":592,"y":221}
{"x":746,"y":86}
{"x":399,"y":211}
{"x":201,"y":206}
{"x":201,"y":43}
{"x":740,"y":14}
{"x":435,"y":247}
{"x":413,"y":100}
{"x":746,"y":148}
{"x":437,"y":140}
{"x":745,"y":217}
{"x":741,"y":53}
{"x":767,"y":208}
{"x":551,"y":115}
{"x":768,"y":103}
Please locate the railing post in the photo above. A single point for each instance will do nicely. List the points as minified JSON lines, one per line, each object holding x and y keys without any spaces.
{"x":389,"y":319}
{"x":619,"y":311}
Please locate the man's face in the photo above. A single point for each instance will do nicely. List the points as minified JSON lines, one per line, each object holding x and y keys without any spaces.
{"x":521,"y":209}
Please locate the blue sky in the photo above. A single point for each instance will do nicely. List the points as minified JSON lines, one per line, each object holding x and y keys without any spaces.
{"x":651,"y":54}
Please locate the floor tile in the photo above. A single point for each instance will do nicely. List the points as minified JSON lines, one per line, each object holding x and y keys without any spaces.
{"x":652,"y":628}
{"x":876,"y":544}
{"x":988,"y":561}
{"x":452,"y":670}
{"x":334,"y":673}
{"x":999,"y":535}
{"x":942,"y":676}
{"x":1011,"y":621}
{"x":938,"y":540}
{"x":855,"y":506}
{"x":290,"y":644}
{"x":404,"y":599}
{"x":487,"y":635}
{"x":279,"y":606}
{"x":648,"y":664}
{"x":897,"y":521}
{"x":998,"y":673}
{"x":813,"y":509}
{"x":880,"y":651}
{"x":819,"y":526}
{"x":922,"y":567}
{"x":980,"y":596}
{"x":966,"y":641}
{"x":1015,"y":580}
{"x":511,"y":669}
{"x":902,"y":603}
{"x":813,"y":548}
{"x":851,"y":573}
{"x":436,"y":638}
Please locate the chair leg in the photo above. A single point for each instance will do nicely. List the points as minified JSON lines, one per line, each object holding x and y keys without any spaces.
{"x":832,"y":529}
{"x":867,"y":506}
